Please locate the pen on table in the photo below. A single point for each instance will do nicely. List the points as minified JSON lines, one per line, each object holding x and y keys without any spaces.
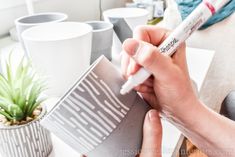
{"x":193,"y":22}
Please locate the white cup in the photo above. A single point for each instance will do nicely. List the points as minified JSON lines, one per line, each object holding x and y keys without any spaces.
{"x":29,"y":21}
{"x":125,"y":20}
{"x":60,"y":52}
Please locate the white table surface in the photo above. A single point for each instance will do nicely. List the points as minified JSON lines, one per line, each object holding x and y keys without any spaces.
{"x":199,"y":61}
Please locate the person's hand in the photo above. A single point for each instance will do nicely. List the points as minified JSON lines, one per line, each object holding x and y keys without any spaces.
{"x":169,"y":89}
{"x":152,"y":135}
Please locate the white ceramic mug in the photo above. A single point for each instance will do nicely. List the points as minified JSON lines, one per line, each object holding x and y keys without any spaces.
{"x":60,"y":52}
{"x":102,"y":39}
{"x":125,"y":20}
{"x":29,"y":21}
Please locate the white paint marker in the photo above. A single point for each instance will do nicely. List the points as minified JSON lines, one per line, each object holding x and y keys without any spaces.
{"x":192,"y":23}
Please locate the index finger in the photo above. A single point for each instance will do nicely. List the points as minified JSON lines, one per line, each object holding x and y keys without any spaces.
{"x":151,"y":34}
{"x":156,"y":35}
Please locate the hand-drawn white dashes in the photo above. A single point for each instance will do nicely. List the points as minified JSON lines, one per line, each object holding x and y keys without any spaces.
{"x":89,"y":114}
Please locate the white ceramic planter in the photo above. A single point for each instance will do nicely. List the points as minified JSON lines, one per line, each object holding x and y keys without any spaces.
{"x":29,"y":140}
{"x":125,"y":20}
{"x":59,"y":49}
{"x":26,"y":22}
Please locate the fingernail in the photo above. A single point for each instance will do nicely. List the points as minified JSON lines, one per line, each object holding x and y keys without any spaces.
{"x":142,"y":48}
{"x":132,"y":45}
{"x":129,"y":70}
{"x":153,"y":115}
{"x":137,"y":46}
{"x":136,"y":51}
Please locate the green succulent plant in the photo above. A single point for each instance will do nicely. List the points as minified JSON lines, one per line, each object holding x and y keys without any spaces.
{"x":20,"y":90}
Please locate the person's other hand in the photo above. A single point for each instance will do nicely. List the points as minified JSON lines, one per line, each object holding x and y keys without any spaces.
{"x":169,"y":88}
{"x":152,"y":135}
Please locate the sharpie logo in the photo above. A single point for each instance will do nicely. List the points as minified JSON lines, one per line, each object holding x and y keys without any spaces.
{"x":167,"y":47}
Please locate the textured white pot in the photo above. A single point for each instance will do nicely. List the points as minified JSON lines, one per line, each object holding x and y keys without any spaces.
{"x":28,"y":140}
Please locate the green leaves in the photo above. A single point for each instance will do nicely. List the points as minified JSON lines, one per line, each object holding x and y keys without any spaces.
{"x":20,"y":89}
{"x":12,"y":111}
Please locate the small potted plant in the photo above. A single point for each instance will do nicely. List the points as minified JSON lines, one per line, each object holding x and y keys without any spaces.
{"x":21,"y":110}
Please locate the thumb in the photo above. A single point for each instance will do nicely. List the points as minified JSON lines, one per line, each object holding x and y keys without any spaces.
{"x":146,"y":55}
{"x":152,"y":140}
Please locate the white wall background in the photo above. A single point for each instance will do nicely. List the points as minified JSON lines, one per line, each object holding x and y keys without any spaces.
{"x":78,"y":10}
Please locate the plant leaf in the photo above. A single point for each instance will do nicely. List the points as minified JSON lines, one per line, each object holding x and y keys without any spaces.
{"x":12,"y":109}
{"x":19,"y":90}
{"x":6,"y":115}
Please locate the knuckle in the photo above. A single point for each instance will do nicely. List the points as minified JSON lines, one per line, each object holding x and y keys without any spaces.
{"x":182,"y":46}
{"x":140,"y":32}
{"x":126,"y":43}
{"x":139,"y":28}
